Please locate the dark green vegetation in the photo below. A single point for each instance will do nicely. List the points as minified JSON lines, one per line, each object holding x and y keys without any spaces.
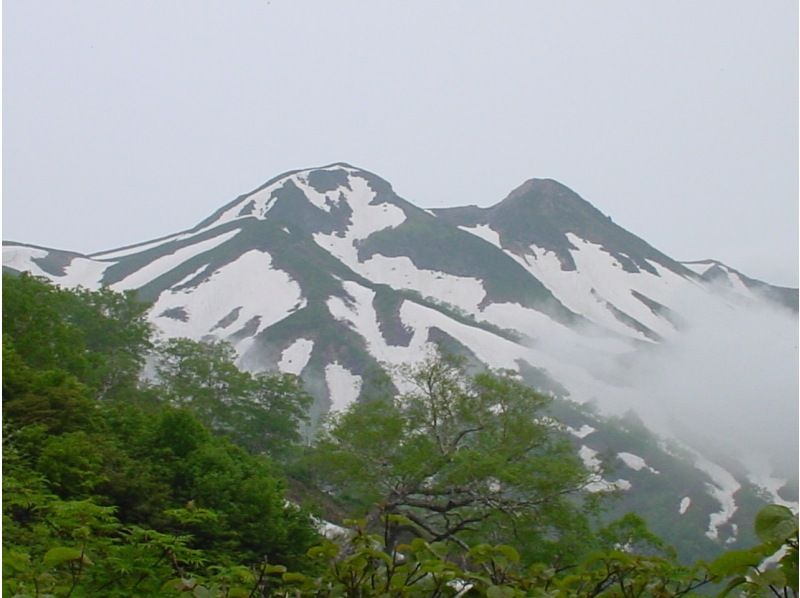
{"x":113,"y":487}
{"x":117,"y":485}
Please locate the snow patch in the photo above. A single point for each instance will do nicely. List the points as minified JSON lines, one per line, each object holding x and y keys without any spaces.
{"x":262,"y":201}
{"x":365,"y":220}
{"x":760,"y":475}
{"x":21,"y":258}
{"x":401,"y":273}
{"x":723,"y":488}
{"x":635,"y":462}
{"x":485,"y":232}
{"x":81,"y":271}
{"x":295,"y":357}
{"x":581,"y":432}
{"x":599,"y":278}
{"x":594,"y":465}
{"x":113,"y":254}
{"x":165,"y":263}
{"x":697,"y":268}
{"x":686,"y":502}
{"x":186,"y":279}
{"x":343,"y":386}
{"x":331,"y":531}
{"x":360,"y":314}
{"x":261,"y":290}
{"x":324,"y":201}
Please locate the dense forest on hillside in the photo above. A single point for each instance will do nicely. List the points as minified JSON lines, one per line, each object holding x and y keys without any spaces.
{"x":138,"y":466}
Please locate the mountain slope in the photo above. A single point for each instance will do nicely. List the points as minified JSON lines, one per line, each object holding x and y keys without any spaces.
{"x":328,"y":274}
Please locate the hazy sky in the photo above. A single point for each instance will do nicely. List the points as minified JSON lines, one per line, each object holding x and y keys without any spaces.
{"x":125,"y":121}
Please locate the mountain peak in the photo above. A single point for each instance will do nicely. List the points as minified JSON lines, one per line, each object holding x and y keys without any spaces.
{"x":549,"y":194}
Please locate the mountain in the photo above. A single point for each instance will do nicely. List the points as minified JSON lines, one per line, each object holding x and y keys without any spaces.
{"x":329,"y":274}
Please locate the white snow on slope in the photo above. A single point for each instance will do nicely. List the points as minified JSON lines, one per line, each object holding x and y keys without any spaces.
{"x":697,"y":268}
{"x":324,"y":201}
{"x":600,"y":272}
{"x":114,"y":254}
{"x":258,"y":288}
{"x":723,"y":488}
{"x":295,"y":357}
{"x":686,"y":502}
{"x":397,"y":272}
{"x":581,"y":432}
{"x":401,"y":273}
{"x":594,"y":465}
{"x":21,"y":258}
{"x":544,"y":331}
{"x":365,"y":220}
{"x":635,"y":462}
{"x":81,"y":271}
{"x":493,"y":350}
{"x":164,"y":264}
{"x":189,"y":277}
{"x":485,"y":232}
{"x":760,"y":474}
{"x":343,"y":386}
{"x":262,"y":203}
{"x":361,"y":316}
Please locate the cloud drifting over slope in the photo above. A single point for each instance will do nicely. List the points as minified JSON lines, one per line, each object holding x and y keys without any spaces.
{"x":727,"y":385}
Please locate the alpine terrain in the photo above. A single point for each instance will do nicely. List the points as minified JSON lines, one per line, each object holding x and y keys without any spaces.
{"x":328,"y":274}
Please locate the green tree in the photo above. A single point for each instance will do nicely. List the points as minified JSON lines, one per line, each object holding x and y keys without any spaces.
{"x":459,"y":459}
{"x":100,"y":337}
{"x":261,"y":412}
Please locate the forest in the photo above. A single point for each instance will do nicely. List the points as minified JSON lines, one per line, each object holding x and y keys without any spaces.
{"x":140,"y":466}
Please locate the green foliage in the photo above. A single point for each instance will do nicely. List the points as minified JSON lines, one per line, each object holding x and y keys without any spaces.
{"x":769,"y":568}
{"x":261,"y":412}
{"x":458,"y":459}
{"x":100,"y":337}
{"x":110,"y":491}
{"x":114,"y":489}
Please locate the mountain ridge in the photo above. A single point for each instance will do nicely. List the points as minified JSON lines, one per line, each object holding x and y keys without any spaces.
{"x":328,"y":274}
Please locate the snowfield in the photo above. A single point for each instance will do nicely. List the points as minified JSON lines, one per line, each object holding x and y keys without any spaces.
{"x":599,"y":278}
{"x":264,"y":295}
{"x":343,"y":386}
{"x":485,"y":232}
{"x":81,"y":271}
{"x":295,"y":357}
{"x":164,"y":264}
{"x":635,"y":462}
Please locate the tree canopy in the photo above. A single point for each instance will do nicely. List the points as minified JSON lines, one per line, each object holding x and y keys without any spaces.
{"x":119,"y":485}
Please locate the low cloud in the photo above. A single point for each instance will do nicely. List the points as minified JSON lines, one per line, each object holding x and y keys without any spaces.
{"x":727,"y":384}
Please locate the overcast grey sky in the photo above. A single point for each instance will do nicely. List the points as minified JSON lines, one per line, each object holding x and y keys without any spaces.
{"x":128,"y":120}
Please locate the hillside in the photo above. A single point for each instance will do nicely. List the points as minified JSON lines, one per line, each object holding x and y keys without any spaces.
{"x":327,"y":273}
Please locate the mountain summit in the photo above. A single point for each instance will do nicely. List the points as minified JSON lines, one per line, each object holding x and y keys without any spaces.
{"x":328,"y":274}
{"x":333,"y":256}
{"x":542,"y":212}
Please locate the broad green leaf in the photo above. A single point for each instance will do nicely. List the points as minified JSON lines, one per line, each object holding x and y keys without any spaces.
{"x":16,"y":560}
{"x":732,"y":585}
{"x":734,"y":562}
{"x":61,"y":554}
{"x":775,"y":523}
{"x":773,"y":577}
{"x":499,"y":592}
{"x":202,"y":592}
{"x":509,"y":552}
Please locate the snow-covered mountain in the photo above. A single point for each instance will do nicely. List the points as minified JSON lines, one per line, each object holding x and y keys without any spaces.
{"x":329,"y":274}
